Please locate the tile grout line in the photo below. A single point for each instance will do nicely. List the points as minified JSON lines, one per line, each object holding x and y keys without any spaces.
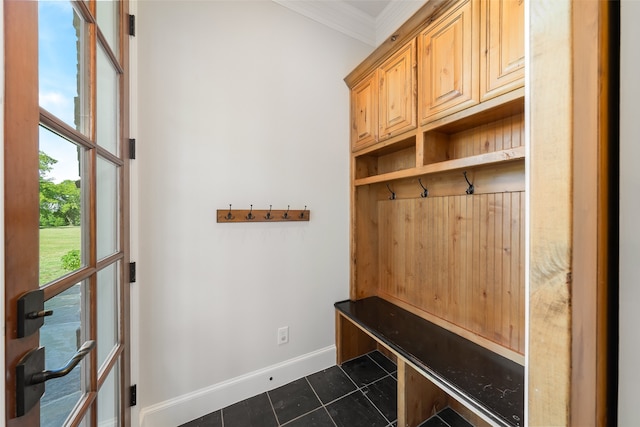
{"x":382,"y":367}
{"x":325,"y":405}
{"x":376,"y":406}
{"x":321,"y":403}
{"x":273,"y":409}
{"x":322,"y":406}
{"x":389,"y":374}
{"x":364,"y":394}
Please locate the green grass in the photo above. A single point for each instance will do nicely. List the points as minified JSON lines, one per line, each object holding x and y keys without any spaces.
{"x":54,"y":243}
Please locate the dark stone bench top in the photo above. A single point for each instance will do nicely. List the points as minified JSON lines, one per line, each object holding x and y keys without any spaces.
{"x":491,"y":383}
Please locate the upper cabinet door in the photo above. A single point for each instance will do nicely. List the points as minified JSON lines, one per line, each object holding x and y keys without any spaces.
{"x":448,"y":68}
{"x":364,"y":112}
{"x":502,"y":44}
{"x":398,"y":92}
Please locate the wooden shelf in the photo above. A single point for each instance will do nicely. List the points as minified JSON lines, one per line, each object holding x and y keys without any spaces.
{"x":502,"y":106}
{"x":502,"y":156}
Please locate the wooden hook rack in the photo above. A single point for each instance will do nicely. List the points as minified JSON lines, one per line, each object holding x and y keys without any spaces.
{"x":263,"y":215}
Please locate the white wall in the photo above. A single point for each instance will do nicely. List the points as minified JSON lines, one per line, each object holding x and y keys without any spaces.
{"x":241,"y":103}
{"x":629,"y":377}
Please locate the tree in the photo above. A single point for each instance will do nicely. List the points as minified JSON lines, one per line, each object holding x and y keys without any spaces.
{"x":60,"y":204}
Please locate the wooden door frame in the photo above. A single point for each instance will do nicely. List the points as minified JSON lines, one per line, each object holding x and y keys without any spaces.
{"x":20,"y":136}
{"x":572,"y":221}
{"x":21,"y":119}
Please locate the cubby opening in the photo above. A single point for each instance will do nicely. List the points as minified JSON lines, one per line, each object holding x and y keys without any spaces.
{"x":492,"y":137}
{"x":392,"y":158}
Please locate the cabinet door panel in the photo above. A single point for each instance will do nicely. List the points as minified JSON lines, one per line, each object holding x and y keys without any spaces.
{"x":448,"y":73}
{"x":364,"y":113}
{"x":397,"y":92}
{"x":502,"y":42}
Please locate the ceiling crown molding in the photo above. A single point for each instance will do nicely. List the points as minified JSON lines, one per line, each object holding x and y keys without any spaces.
{"x":348,"y":20}
{"x":337,"y":15}
{"x":393,"y":16}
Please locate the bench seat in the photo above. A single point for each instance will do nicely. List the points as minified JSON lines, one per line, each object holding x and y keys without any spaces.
{"x":490,"y":385}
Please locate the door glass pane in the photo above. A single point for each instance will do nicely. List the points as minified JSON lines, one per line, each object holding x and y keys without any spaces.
{"x":107,"y":119}
{"x":61,"y":206}
{"x":62,"y":83}
{"x":107,"y":14}
{"x":61,"y":336}
{"x":109,"y":398}
{"x":107,"y":207}
{"x":108,"y":311}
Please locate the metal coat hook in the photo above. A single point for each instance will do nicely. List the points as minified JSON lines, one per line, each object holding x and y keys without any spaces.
{"x":425,"y":193}
{"x":302,"y":213}
{"x":229,"y":217}
{"x":250,"y":215}
{"x":393,"y":195}
{"x":286,"y":214}
{"x":268,"y":216}
{"x":470,"y":190}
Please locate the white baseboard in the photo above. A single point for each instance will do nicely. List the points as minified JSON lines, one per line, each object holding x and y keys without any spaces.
{"x":182,"y":409}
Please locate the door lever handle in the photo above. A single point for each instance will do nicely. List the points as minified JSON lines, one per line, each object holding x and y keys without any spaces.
{"x":31,"y":375}
{"x":40,"y":377}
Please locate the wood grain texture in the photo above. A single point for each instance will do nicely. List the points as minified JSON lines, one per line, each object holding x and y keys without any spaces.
{"x":422,"y":398}
{"x":501,"y":47}
{"x":592,"y":257}
{"x":351,"y":341}
{"x":364,"y":243}
{"x":448,"y":64}
{"x":262,"y":215}
{"x":409,"y":30}
{"x":397,"y":92}
{"x":364,"y":113}
{"x":460,"y":258}
{"x":21,"y":217}
{"x":550,"y":246}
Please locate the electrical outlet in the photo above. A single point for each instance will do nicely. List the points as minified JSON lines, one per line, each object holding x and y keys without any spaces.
{"x":283,"y":335}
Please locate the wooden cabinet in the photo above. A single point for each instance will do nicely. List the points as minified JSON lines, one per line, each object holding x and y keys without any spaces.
{"x":364,"y":113}
{"x":383,"y":104}
{"x":502,"y":47}
{"x":430,"y":117}
{"x":420,"y":237}
{"x":448,"y":64}
{"x":398,"y":92}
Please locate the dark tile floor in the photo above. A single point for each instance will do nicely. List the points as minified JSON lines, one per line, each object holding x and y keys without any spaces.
{"x":360,"y":393}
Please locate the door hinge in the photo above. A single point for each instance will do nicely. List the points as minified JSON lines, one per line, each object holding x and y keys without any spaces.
{"x":133,"y":395}
{"x":132,"y":272}
{"x":132,"y":148}
{"x":132,"y":25}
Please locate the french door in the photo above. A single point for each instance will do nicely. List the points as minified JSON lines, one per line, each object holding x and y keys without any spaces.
{"x":66,"y":201}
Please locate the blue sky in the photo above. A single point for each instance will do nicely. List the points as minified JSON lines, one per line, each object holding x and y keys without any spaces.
{"x":58,"y":81}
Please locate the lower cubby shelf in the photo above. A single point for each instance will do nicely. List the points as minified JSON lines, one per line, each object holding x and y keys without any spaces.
{"x":433,"y":363}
